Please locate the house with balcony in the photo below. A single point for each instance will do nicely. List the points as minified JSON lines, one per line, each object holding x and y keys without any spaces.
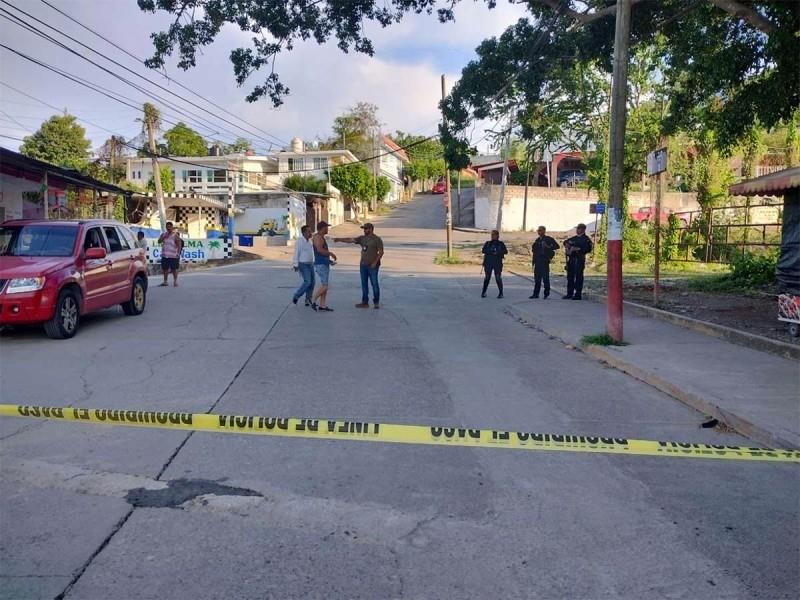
{"x":392,"y":164}
{"x":207,"y":175}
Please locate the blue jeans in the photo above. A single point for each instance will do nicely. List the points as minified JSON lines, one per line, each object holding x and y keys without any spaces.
{"x":306,"y":271}
{"x":370,"y":275}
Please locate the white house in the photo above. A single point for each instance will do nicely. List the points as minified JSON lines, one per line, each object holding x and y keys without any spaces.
{"x":392,"y":162}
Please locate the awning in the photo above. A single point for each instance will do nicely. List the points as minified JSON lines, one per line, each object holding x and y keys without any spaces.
{"x":776,"y":183}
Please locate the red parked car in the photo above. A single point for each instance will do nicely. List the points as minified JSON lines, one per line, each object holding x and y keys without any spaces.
{"x":438,"y":187}
{"x":647,"y":214}
{"x":52,"y":272}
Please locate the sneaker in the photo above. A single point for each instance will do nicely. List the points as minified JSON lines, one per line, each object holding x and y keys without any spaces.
{"x":500,"y":295}
{"x":566,"y":297}
{"x":483,"y":295}
{"x":546,"y":296}
{"x":534,"y":297}
{"x":326,"y":309}
{"x":314,"y":306}
{"x":576,"y":298}
{"x":308,"y":302}
{"x":362,"y":305}
{"x":377,"y":305}
{"x":294,"y":300}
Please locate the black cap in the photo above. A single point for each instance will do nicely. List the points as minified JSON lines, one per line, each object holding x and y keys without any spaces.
{"x":322,"y":224}
{"x":368,"y":226}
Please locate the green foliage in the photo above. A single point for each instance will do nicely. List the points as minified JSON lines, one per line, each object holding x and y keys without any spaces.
{"x":182,"y":140}
{"x":636,"y":242}
{"x":712,"y":173}
{"x":752,"y":148}
{"x":354,"y":181}
{"x":119,"y":209}
{"x":305,"y":183}
{"x":356,"y":129}
{"x":167,"y":181}
{"x":382,"y":187}
{"x":239,"y":146}
{"x":442,"y":259}
{"x":670,"y":239}
{"x":792,"y":151}
{"x":601,"y":339}
{"x":748,"y":272}
{"x":60,"y":141}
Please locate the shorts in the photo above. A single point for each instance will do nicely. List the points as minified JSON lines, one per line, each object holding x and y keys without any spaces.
{"x":323,"y":272}
{"x":170,"y":264}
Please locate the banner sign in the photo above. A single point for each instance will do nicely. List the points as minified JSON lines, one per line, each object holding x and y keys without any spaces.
{"x":197,"y":250}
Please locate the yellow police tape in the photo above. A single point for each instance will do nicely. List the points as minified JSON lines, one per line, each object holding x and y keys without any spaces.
{"x":324,"y":429}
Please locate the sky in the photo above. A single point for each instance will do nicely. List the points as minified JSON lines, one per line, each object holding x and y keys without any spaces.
{"x":402,"y":78}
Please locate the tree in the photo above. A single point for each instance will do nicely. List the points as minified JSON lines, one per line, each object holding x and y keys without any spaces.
{"x":167,"y":181}
{"x":184,"y":141}
{"x":110,"y":163}
{"x":239,"y":146}
{"x":305,"y":183}
{"x":382,"y":188}
{"x":355,"y":130}
{"x":355,"y":183}
{"x":61,"y":141}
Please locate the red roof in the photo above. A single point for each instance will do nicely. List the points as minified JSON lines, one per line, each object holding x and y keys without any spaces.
{"x":772,"y":183}
{"x":397,"y":150}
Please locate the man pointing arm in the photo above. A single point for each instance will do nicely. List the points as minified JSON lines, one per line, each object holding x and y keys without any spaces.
{"x":371,"y":254}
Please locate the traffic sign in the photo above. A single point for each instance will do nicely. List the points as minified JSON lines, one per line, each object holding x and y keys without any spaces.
{"x":597,"y":209}
{"x":657,"y":161}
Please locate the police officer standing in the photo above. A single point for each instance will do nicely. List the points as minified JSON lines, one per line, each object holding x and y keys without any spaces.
{"x":543,"y":250}
{"x":493,"y":253}
{"x":576,"y":248}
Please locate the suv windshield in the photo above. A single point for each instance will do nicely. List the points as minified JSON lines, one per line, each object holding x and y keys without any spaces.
{"x":37,"y":240}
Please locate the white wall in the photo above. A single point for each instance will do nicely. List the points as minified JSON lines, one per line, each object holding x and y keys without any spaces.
{"x":545,"y":207}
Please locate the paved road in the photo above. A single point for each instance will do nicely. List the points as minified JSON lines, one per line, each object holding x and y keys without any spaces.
{"x":93,"y":512}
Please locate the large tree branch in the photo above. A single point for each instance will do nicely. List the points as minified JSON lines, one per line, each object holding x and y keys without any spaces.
{"x":739,"y":10}
{"x":582,"y":18}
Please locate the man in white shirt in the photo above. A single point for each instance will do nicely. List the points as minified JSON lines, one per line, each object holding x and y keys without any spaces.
{"x":303,"y":262}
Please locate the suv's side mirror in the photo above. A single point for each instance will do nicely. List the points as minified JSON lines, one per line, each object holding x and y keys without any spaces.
{"x":95,"y":253}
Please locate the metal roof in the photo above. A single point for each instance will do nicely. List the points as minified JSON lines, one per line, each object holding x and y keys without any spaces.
{"x":12,"y":161}
{"x":772,"y":184}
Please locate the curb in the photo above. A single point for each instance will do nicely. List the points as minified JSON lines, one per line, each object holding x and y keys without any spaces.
{"x":705,"y":405}
{"x":736,"y":336}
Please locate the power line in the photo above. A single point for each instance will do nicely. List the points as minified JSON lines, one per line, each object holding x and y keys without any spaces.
{"x":178,"y":83}
{"x":198,"y":121}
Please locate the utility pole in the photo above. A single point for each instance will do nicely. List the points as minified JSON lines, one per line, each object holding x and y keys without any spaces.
{"x":616,"y":216}
{"x":525,"y":198}
{"x":151,"y":119}
{"x":375,"y":163}
{"x":448,"y":221}
{"x":504,"y":157}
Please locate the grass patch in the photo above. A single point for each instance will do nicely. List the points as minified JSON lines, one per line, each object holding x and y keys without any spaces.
{"x":442,"y":259}
{"x":601,"y":339}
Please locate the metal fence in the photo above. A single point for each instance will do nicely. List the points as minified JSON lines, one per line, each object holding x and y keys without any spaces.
{"x":722,"y":234}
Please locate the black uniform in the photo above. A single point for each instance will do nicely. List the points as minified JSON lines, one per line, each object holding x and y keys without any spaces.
{"x":578,"y":246}
{"x":493,"y":253}
{"x":543,"y":250}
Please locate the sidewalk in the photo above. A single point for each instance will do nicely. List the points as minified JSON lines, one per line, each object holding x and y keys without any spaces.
{"x":756,"y":393}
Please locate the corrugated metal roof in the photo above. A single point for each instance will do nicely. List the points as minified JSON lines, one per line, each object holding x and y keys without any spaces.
{"x":772,"y":183}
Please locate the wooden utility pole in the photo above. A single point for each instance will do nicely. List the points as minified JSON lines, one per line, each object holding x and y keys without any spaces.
{"x":525,"y":197}
{"x":504,"y":157}
{"x":660,"y":183}
{"x":616,"y":216}
{"x":151,"y":119}
{"x":448,"y":220}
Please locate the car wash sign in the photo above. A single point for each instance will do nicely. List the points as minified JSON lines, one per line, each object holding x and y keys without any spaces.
{"x":195,"y":250}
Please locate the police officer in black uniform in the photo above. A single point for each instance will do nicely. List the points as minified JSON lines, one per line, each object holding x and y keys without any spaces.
{"x":493,"y":253}
{"x":543,"y":250}
{"x":576,"y":248}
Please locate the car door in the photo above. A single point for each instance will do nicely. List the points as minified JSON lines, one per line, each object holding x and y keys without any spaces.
{"x":96,"y":272}
{"x":120,"y":255}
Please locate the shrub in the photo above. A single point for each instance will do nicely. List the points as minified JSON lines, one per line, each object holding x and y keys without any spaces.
{"x":753,"y":270}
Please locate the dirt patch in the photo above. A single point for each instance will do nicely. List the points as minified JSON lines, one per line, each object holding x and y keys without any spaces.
{"x":753,"y":312}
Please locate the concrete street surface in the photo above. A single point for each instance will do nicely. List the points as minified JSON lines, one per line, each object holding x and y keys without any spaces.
{"x":93,"y":512}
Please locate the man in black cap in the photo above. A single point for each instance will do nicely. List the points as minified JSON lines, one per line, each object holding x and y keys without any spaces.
{"x":576,"y":248}
{"x":543,"y":250}
{"x":371,"y":254}
{"x":493,"y":253}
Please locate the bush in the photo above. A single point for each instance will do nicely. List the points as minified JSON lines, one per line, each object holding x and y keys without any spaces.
{"x":752,"y":270}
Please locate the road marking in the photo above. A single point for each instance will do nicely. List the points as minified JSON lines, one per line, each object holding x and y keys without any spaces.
{"x":371,"y":431}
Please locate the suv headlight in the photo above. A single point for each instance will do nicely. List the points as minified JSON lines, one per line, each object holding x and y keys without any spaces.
{"x":24,"y":284}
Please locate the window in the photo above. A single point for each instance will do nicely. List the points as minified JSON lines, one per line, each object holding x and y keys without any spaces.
{"x":112,"y":236}
{"x":321,"y":164}
{"x":127,"y":239}
{"x":217,"y":176}
{"x":194,"y":176}
{"x":37,"y":240}
{"x":296,"y":164}
{"x":94,"y":239}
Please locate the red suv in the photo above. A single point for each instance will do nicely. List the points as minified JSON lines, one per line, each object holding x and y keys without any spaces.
{"x":52,"y":272}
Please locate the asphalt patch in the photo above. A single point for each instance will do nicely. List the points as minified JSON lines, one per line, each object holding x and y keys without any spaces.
{"x":179,"y":491}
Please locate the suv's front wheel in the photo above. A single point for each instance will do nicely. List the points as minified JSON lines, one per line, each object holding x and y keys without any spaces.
{"x":64,"y":323}
{"x":135,"y":306}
